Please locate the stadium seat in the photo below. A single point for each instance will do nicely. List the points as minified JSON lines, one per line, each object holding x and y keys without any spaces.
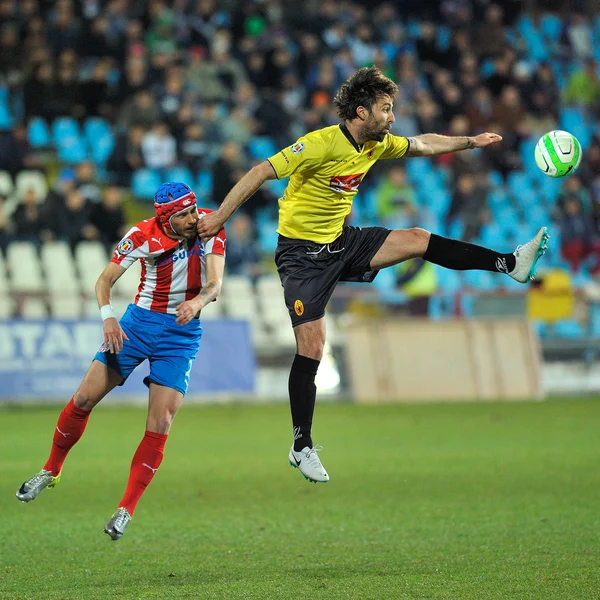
{"x":144,"y":183}
{"x":65,"y":306}
{"x":38,"y":133}
{"x":262,"y":147}
{"x":267,"y":237}
{"x":25,"y":180}
{"x":59,"y":267}
{"x":72,"y":150}
{"x":127,"y":285}
{"x":204,"y":184}
{"x":91,"y":259}
{"x":34,"y":309}
{"x":24,"y":267}
{"x":240,"y":302}
{"x":274,"y":311}
{"x":212,"y":311}
{"x":95,"y":128}
{"x":6,"y":118}
{"x":180,"y":173}
{"x":568,"y":329}
{"x":64,"y":127}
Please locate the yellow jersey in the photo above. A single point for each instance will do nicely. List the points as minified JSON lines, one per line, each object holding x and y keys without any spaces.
{"x":325,"y":168}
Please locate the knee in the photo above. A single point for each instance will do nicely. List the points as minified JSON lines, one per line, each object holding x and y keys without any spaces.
{"x":420,"y":240}
{"x":311,"y":348}
{"x":161,"y":421}
{"x":82,"y":400}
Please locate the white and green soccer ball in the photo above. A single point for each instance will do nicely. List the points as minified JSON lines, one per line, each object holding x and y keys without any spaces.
{"x":558,"y":153}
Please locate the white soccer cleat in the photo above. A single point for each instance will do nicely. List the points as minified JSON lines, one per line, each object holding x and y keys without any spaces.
{"x":308,"y":462}
{"x":117,"y":524}
{"x":528,"y":255}
{"x":39,"y":482}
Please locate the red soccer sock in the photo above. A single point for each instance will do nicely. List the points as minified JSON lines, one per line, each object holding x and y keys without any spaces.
{"x":69,"y":428}
{"x":145,"y":463}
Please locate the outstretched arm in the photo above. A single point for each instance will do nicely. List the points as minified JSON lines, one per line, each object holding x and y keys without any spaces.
{"x":212,"y":223}
{"x":431,"y":144}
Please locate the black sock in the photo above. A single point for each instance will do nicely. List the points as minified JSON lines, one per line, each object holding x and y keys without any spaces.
{"x":462,"y":256}
{"x":303,"y":393}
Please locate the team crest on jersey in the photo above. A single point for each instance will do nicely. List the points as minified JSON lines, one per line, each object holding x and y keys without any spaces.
{"x":299,"y":307}
{"x":297,"y":147}
{"x":125,"y":246}
{"x":345,"y":183}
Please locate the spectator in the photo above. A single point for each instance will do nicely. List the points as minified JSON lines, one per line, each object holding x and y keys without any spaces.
{"x":395,"y":198}
{"x":86,"y":181}
{"x":469,"y":205}
{"x":72,"y":219}
{"x":583,"y":88}
{"x":193,"y":148}
{"x":578,"y":237}
{"x":159,"y":147}
{"x":126,"y":155}
{"x":28,"y":219}
{"x":108,"y":217}
{"x":139,"y":110}
{"x":227,"y":170}
{"x":243,"y":252}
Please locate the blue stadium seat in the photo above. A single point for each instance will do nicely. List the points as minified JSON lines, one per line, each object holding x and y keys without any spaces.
{"x":441,"y":306}
{"x":145,"y":182}
{"x":267,"y":237}
{"x":95,"y":128}
{"x":181,"y":173}
{"x":64,"y":127}
{"x":6,"y":118}
{"x":204,"y":185}
{"x":38,"y":133}
{"x":519,"y":182}
{"x":262,"y":147}
{"x":568,"y":329}
{"x":450,"y":282}
{"x":72,"y":150}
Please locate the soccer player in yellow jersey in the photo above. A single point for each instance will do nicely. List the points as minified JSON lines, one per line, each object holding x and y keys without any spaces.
{"x":316,"y":250}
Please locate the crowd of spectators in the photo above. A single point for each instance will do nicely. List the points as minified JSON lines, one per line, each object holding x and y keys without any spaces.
{"x":193,"y":82}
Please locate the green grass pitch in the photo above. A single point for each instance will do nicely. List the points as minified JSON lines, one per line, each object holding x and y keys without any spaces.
{"x":489,"y":500}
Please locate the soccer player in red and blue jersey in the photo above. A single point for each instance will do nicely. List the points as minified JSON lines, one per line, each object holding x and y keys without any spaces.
{"x":181,"y":274}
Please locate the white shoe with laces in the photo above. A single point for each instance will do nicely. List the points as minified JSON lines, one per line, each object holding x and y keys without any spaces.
{"x":308,"y":462}
{"x":528,"y":255}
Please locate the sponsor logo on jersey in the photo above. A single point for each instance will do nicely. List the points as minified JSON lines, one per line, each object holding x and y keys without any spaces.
{"x":125,"y":246}
{"x":345,"y":183}
{"x":180,"y":254}
{"x":299,"y":307}
{"x":297,"y":147}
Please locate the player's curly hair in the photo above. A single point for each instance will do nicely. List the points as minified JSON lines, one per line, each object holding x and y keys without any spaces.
{"x":363,"y":89}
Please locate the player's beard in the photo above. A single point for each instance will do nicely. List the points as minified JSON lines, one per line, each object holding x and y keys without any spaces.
{"x":375,"y":132}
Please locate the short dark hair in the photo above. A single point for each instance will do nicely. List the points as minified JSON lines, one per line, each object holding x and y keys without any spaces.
{"x":364,"y":88}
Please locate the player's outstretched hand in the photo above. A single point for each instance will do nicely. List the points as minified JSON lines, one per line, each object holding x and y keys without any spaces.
{"x":209,"y":225}
{"x":485,"y":139}
{"x":114,"y":336}
{"x":186,"y":311}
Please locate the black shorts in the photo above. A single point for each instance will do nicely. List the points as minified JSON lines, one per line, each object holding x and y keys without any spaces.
{"x":309,"y":272}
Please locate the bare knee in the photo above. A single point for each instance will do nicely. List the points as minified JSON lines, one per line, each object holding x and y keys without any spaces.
{"x":83,"y":400}
{"x":310,"y":339}
{"x":419,"y":241}
{"x":161,"y":422}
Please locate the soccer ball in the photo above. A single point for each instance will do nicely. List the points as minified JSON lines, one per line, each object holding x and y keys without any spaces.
{"x":558,"y":153}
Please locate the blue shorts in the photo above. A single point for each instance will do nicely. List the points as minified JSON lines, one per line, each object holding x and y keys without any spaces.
{"x":170,"y":348}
